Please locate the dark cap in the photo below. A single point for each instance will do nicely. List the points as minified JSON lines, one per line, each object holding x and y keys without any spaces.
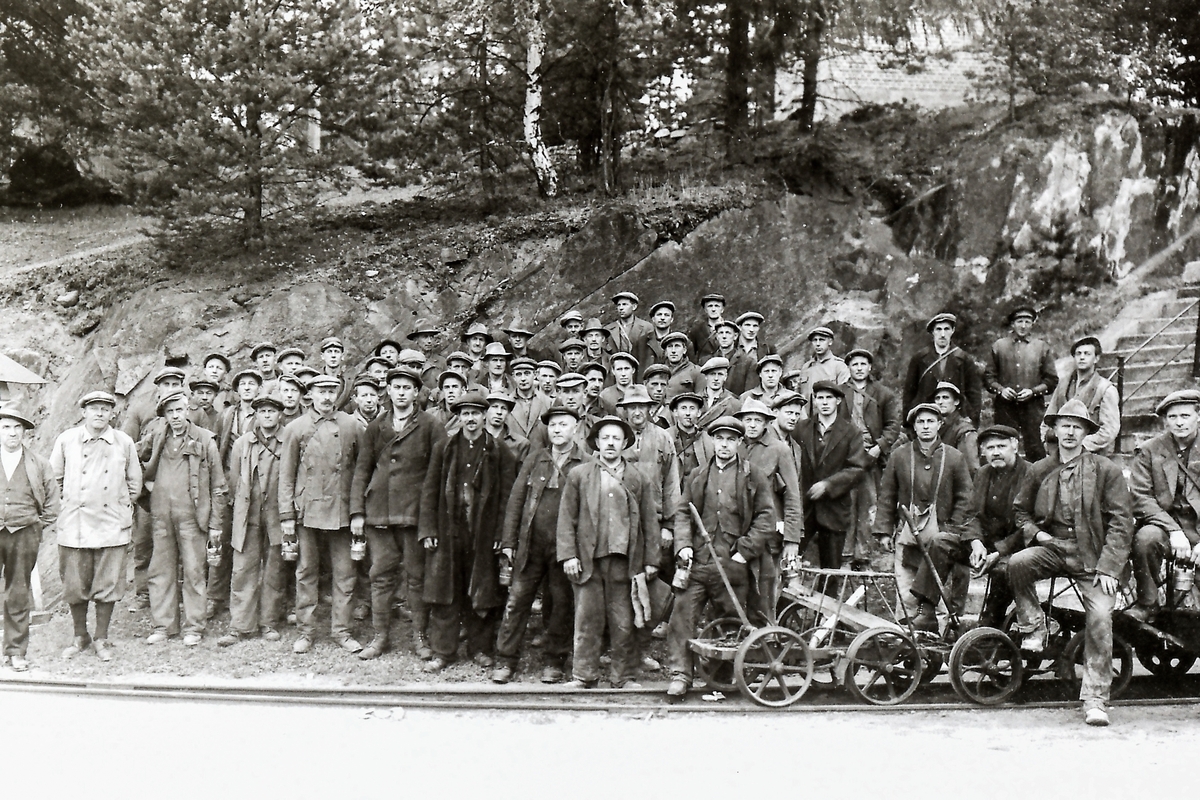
{"x":606,"y":421}
{"x":997,"y":432}
{"x":1092,"y":340}
{"x":829,"y":386}
{"x":727,"y":423}
{"x":945,"y":316}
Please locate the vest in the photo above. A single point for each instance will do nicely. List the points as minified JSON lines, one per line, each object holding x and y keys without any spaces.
{"x":19,"y":508}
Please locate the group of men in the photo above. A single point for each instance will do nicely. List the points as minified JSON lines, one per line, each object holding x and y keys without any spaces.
{"x":482,"y":480}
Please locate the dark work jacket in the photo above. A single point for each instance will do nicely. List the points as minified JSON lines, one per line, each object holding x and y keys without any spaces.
{"x":206,"y":478}
{"x":840,"y":463}
{"x":579,"y":517}
{"x":1105,"y":533}
{"x":441,"y":518}
{"x":390,"y":469}
{"x":958,"y":367}
{"x":881,"y":415}
{"x":1153,"y":476}
{"x":527,"y":494}
{"x":1000,"y":533}
{"x":953,"y":505}
{"x":243,"y":484}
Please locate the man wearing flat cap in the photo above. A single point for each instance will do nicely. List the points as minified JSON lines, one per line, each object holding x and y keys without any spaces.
{"x":624,"y":367}
{"x":662,"y":317}
{"x":1164,"y":478}
{"x":608,"y":535}
{"x":629,"y":333}
{"x":743,"y":374}
{"x":1021,"y":374}
{"x":204,"y":393}
{"x":875,"y":410}
{"x":30,"y":496}
{"x":944,"y":361}
{"x":704,"y":332}
{"x":394,"y":452}
{"x":188,"y":499}
{"x":770,"y":375}
{"x":571,"y":392}
{"x":823,"y":365}
{"x":528,"y":403}
{"x":693,"y":446}
{"x":262,"y":356}
{"x":993,"y":534}
{"x":654,"y":448}
{"x":333,"y":354}
{"x":99,"y":478}
{"x":832,"y":460}
{"x":957,"y":431}
{"x":316,"y":468}
{"x":216,"y":368}
{"x":463,"y":498}
{"x":1076,"y":514}
{"x":718,"y":400}
{"x":685,"y":375}
{"x":924,"y":499}
{"x":518,"y":342}
{"x":529,"y":542}
{"x":733,"y":499}
{"x":1095,"y":392}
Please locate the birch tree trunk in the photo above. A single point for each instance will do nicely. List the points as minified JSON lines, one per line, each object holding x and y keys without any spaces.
{"x":543,"y":165}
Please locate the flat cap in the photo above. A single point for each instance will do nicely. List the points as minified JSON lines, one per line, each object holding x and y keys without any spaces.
{"x":169,"y":398}
{"x":829,"y":386}
{"x":1073,"y":409}
{"x":290,"y":351}
{"x":459,"y":355}
{"x":524,"y":362}
{"x":323,"y":380}
{"x":656,"y":369}
{"x":662,"y":304}
{"x":559,"y":407}
{"x":572,"y":344}
{"x":917,"y":409}
{"x":753,"y":405}
{"x":947,"y":386}
{"x":260,"y":347}
{"x":750,"y":316}
{"x":682,"y":396}
{"x":593,"y":366}
{"x":470,"y":400}
{"x":786,"y":398}
{"x":203,"y":383}
{"x":626,"y":357}
{"x":169,"y":372}
{"x":675,"y":336}
{"x":569,"y":380}
{"x":549,"y":364}
{"x":219,"y":357}
{"x":410,"y":356}
{"x":570,"y":316}
{"x":304,"y":372}
{"x":97,"y":396}
{"x":997,"y":432}
{"x":446,"y":374}
{"x":1092,"y":340}
{"x":253,"y":374}
{"x":502,"y":397}
{"x":1022,"y":310}
{"x":767,"y":360}
{"x":714,"y":363}
{"x":945,"y":316}
{"x":387,"y":343}
{"x":821,"y":330}
{"x":380,"y":360}
{"x":269,"y":399}
{"x":403,"y":371}
{"x":294,"y":380}
{"x":712,"y":297}
{"x":365,"y":380}
{"x":727,"y":423}
{"x":1181,"y":397}
{"x":725,"y":323}
{"x":332,"y":342}
{"x":630,"y":296}
{"x":859,"y":351}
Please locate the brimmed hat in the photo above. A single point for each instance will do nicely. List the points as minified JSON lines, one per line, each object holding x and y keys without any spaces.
{"x":714,"y":363}
{"x":820,"y":330}
{"x":167,"y":399}
{"x":1181,"y":397}
{"x":270,"y":399}
{"x":1017,"y":311}
{"x":246,"y":373}
{"x":379,"y":347}
{"x":859,"y":351}
{"x":726,"y":423}
{"x":550,"y":365}
{"x":524,"y":362}
{"x":331,"y":342}
{"x":496,"y":350}
{"x":635,"y":395}
{"x":609,"y":420}
{"x":290,"y":351}
{"x":260,"y":347}
{"x":219,"y":357}
{"x":679,"y":398}
{"x":713,"y":296}
{"x":917,"y":409}
{"x":97,"y":396}
{"x":751,"y":316}
{"x":675,"y":336}
{"x":997,"y":432}
{"x":559,"y":407}
{"x":786,"y":398}
{"x":470,"y":400}
{"x":477,"y":329}
{"x":568,"y":380}
{"x":572,"y":344}
{"x":769,"y":359}
{"x":451,"y":373}
{"x":323,"y":380}
{"x":1073,"y":409}
{"x":1092,"y":340}
{"x":655,"y":369}
{"x":662,"y":304}
{"x":570,"y":316}
{"x":203,"y":383}
{"x":405,"y":372}
{"x":949,"y":387}
{"x":592,"y":366}
{"x":169,"y":372}
{"x":630,"y":296}
{"x":14,"y":411}
{"x":594,"y":324}
{"x":753,"y":405}
{"x":829,"y":386}
{"x":626,"y":357}
{"x":945,"y":316}
{"x":423,"y":326}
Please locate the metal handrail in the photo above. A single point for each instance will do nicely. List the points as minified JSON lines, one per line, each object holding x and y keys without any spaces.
{"x":1128,"y":356}
{"x":1117,"y":373}
{"x":1161,"y":367}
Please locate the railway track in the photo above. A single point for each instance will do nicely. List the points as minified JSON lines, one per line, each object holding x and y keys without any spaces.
{"x":1042,"y":694}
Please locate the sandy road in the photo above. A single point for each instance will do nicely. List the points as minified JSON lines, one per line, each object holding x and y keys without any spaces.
{"x":135,"y":748}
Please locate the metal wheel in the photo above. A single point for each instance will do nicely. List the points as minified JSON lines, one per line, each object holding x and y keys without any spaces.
{"x":773,"y":667}
{"x":1164,"y":660}
{"x":986,"y":667}
{"x":883,"y":667}
{"x":1069,"y":666}
{"x":932,"y":658}
{"x":803,"y":620}
{"x":718,"y":674}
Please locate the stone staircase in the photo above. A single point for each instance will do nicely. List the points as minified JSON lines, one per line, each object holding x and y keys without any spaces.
{"x":1161,"y":366}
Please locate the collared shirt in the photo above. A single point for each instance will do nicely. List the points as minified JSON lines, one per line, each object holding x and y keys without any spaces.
{"x":1068,"y":506}
{"x":100,"y":477}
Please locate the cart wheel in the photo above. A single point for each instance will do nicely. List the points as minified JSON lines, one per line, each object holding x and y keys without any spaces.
{"x":986,"y":667}
{"x":883,"y":667}
{"x":773,"y":667}
{"x":803,"y":620}
{"x":1164,"y":660}
{"x":718,"y":674}
{"x":1069,"y":666}
{"x":932,"y":658}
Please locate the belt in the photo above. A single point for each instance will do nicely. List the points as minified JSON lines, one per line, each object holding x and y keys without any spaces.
{"x":1060,"y":531}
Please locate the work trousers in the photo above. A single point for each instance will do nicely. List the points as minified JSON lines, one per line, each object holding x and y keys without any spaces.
{"x":18,"y":556}
{"x":220,"y":577}
{"x":558,"y":606}
{"x":830,"y":544}
{"x":386,"y":545}
{"x":308,"y":577}
{"x":917,"y":582}
{"x":604,"y":600}
{"x":259,"y":581}
{"x":999,"y":595}
{"x":178,"y":541}
{"x":414,"y":580}
{"x":1027,"y":419}
{"x":1061,"y":557}
{"x":705,"y":585}
{"x":96,"y":574}
{"x":142,"y":548}
{"x":860,"y":541}
{"x":1151,"y":545}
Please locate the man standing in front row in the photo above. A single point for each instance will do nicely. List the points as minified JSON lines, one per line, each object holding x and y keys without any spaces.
{"x":1077,"y":516}
{"x":30,"y":505}
{"x":99,"y":478}
{"x":607,"y":534}
{"x":315,"y":470}
{"x":734,"y":501}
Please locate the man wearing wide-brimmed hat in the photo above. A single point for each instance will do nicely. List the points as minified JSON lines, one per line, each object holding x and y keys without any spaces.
{"x":944,"y":361}
{"x":1165,"y":480}
{"x":100,"y":477}
{"x":1021,"y":374}
{"x":30,"y":505}
{"x":467,"y":483}
{"x":1097,"y":393}
{"x":1076,"y":513}
{"x":608,"y":534}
